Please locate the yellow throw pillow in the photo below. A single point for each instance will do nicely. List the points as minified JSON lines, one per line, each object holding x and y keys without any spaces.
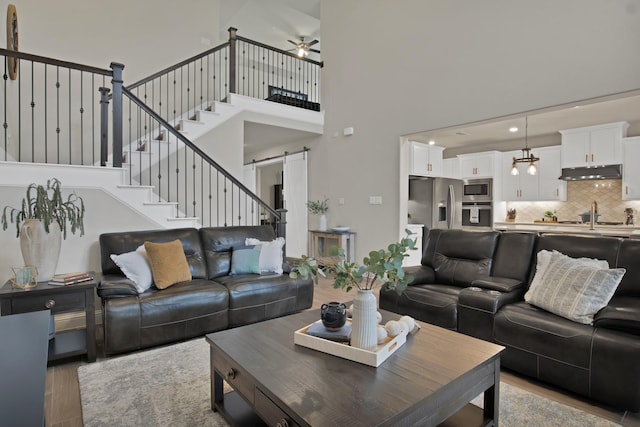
{"x":168,"y":263}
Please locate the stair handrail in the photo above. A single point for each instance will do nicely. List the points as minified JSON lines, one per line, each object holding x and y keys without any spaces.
{"x":199,"y":152}
{"x":177,"y":66}
{"x":56,"y":62}
{"x":275,"y":49}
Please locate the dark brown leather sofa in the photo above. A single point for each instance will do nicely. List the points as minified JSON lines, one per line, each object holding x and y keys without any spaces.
{"x":599,"y":361}
{"x":210,"y":302}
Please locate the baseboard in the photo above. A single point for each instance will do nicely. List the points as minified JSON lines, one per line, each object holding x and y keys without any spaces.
{"x":74,"y":320}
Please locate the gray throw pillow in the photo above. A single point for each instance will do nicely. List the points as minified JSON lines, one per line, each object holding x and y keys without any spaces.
{"x":571,"y":289}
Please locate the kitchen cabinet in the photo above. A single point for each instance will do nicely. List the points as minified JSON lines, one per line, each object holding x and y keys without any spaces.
{"x":545,"y":186}
{"x":593,"y":145}
{"x":549,"y":169}
{"x":451,"y":168}
{"x":521,"y":187}
{"x":630,"y":171}
{"x":425,"y":160}
{"x":479,"y":165}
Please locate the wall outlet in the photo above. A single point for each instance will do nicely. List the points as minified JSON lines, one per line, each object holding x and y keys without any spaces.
{"x":375,"y":200}
{"x":341,"y":201}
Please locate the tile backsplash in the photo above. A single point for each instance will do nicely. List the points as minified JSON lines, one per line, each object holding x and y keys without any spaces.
{"x":580,"y":194}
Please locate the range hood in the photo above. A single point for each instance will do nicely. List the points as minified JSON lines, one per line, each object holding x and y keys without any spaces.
{"x":599,"y":172}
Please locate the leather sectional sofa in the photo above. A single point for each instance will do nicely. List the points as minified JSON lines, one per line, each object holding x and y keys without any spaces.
{"x":213,"y":300}
{"x":475,"y":282}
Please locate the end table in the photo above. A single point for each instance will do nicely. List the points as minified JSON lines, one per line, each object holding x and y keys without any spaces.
{"x":58,"y":299}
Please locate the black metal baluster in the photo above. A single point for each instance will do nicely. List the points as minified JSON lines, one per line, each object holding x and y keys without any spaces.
{"x":19,"y":116}
{"x":58,"y":112}
{"x":69,"y":130}
{"x":93,"y":118}
{"x":5,"y":125}
{"x":81,"y":118}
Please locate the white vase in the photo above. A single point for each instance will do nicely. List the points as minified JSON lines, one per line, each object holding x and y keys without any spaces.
{"x":39,"y":248}
{"x":364,"y":328}
{"x":323,"y":222}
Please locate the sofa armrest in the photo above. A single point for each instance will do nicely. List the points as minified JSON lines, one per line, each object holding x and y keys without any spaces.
{"x":116,"y":286}
{"x":621,"y":314}
{"x":501,"y":284}
{"x":487,"y":300}
{"x":421,"y":274}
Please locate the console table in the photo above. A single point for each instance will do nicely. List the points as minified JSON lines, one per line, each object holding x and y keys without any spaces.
{"x":321,"y":242}
{"x":58,"y":299}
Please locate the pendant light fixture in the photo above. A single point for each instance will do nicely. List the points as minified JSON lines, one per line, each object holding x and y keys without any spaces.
{"x":527,"y":156}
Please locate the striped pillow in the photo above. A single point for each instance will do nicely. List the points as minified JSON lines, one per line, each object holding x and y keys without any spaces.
{"x":571,"y":289}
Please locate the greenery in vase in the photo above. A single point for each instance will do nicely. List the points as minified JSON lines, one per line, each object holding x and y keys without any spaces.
{"x":318,"y":207}
{"x":45,"y":203}
{"x":382,"y":267}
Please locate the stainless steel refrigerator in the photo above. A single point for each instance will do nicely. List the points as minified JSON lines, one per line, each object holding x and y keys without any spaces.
{"x":435,"y":202}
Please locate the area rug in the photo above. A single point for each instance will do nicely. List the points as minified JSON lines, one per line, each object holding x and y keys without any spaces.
{"x":170,"y":386}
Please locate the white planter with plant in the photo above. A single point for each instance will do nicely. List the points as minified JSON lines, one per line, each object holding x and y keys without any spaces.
{"x":382,"y":267}
{"x":42,"y":222}
{"x":319,"y":207}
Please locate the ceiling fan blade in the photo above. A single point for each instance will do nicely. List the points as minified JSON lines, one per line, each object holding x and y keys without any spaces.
{"x":313,"y":42}
{"x":292,"y":42}
{"x":314,"y":50}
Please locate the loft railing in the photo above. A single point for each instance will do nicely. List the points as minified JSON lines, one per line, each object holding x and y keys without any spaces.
{"x":52,"y":111}
{"x":241,"y":66}
{"x":182,"y":173}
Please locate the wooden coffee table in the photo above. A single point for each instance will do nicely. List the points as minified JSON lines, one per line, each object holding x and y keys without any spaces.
{"x":431,"y":378}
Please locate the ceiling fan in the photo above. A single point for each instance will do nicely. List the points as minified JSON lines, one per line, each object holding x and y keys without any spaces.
{"x":303,"y":48}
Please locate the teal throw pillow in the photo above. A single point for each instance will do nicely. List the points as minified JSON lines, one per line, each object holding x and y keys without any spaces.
{"x":245,"y":260}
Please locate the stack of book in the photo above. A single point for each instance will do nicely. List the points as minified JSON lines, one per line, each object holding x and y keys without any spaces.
{"x":70,"y":278}
{"x":317,"y":329}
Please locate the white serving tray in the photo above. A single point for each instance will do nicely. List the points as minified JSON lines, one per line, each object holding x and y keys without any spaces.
{"x":371,"y":358}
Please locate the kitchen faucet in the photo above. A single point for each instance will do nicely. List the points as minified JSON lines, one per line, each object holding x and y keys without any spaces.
{"x":592,"y":216}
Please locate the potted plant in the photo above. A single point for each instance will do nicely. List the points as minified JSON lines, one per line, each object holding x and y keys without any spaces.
{"x":383,"y":267}
{"x":41,"y":221}
{"x":319,"y":207}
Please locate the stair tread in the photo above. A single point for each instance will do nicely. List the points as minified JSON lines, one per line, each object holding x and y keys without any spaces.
{"x":159,"y":203}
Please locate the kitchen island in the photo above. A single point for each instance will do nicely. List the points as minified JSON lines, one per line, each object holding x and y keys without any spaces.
{"x":631,"y":231}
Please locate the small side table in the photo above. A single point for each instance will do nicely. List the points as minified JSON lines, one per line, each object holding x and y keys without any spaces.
{"x":58,"y":299}
{"x":321,"y":242}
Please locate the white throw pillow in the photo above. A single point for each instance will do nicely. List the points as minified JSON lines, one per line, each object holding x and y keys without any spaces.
{"x":135,"y":265}
{"x":573,"y":288}
{"x":270,"y":254}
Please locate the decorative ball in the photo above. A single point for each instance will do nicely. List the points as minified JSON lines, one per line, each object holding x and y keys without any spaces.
{"x":408,"y":322}
{"x":350,"y":311}
{"x":379,"y":317}
{"x":382,"y":334}
{"x":393,"y":327}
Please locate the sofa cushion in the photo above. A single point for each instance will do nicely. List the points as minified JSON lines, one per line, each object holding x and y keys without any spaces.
{"x":127,"y":241}
{"x":218,"y":244}
{"x":135,"y":265}
{"x":168,"y":263}
{"x":245,"y":260}
{"x":270,"y":254}
{"x":621,"y":314}
{"x":572,"y":289}
{"x":461,"y":272}
{"x":531,"y":329}
{"x":628,"y":259}
{"x":434,"y":303}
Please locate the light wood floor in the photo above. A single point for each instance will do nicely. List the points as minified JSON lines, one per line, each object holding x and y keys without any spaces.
{"x":63,"y":409}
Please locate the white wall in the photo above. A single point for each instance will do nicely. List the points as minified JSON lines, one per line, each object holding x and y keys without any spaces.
{"x":450,"y":62}
{"x":146,"y":36}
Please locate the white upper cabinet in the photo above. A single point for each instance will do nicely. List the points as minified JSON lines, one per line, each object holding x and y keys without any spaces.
{"x":549,"y":169}
{"x":479,"y":165}
{"x":630,"y":171}
{"x":425,"y":160}
{"x":451,"y":168}
{"x":593,"y":145}
{"x":544,"y":186}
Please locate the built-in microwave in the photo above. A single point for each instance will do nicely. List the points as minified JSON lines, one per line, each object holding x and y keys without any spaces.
{"x":476,"y":190}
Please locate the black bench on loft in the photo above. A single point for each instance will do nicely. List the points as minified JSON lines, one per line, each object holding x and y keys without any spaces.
{"x":289,"y":97}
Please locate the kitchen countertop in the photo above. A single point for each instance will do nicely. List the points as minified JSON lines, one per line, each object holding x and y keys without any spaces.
{"x":556,"y":227}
